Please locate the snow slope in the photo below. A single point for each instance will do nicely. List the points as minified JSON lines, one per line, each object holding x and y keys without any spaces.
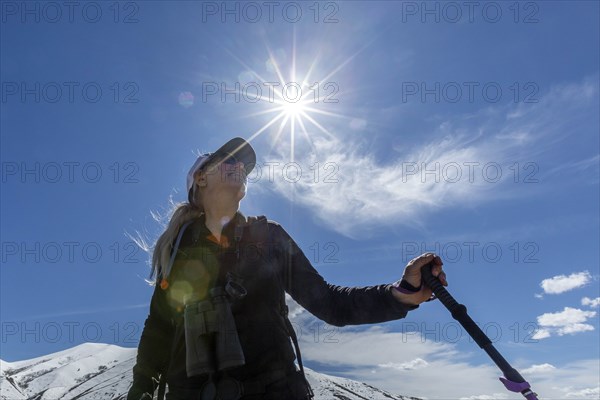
{"x":103,"y":372}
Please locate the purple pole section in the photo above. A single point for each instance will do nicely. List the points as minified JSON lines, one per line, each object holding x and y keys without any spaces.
{"x":519,"y":387}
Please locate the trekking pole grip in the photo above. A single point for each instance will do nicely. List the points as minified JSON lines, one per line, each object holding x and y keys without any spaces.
{"x":438,"y":289}
{"x":458,"y":311}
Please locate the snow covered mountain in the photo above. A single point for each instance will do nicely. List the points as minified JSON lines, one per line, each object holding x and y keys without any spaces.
{"x":103,"y":372}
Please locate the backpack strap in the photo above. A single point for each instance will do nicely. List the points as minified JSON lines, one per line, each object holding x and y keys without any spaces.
{"x":291,"y":332}
{"x":165,"y":272}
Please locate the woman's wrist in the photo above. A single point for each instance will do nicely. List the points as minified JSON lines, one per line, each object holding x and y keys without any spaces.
{"x":403,"y":286}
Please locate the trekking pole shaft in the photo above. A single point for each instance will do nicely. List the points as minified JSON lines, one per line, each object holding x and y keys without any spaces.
{"x":459,"y":313}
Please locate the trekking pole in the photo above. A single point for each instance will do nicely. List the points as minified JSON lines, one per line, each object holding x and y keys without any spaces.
{"x":512,"y":380}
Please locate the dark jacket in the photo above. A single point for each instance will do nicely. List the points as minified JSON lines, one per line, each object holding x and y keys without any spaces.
{"x":268,"y":268}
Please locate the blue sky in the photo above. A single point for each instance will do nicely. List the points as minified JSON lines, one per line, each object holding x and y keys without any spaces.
{"x":473,"y":133}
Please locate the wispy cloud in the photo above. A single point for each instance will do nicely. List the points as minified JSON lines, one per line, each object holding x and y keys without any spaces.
{"x":568,"y":321}
{"x":585,"y":165}
{"x":417,"y":363}
{"x":587,"y":393}
{"x":447,"y":171}
{"x":539,"y":369}
{"x":563,"y":283}
{"x":594,"y":303}
{"x":493,"y":396}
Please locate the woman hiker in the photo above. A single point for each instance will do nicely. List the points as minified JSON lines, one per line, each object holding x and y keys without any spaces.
{"x":218,"y":327}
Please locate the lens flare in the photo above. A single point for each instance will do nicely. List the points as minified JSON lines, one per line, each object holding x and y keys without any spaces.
{"x":186,"y":99}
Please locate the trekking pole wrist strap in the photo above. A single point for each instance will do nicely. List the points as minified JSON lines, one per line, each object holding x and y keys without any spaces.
{"x":404,"y":287}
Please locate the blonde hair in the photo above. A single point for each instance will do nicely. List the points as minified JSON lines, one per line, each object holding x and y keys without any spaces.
{"x":183,"y":213}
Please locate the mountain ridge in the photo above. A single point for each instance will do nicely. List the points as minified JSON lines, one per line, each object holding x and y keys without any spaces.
{"x":95,"y":371}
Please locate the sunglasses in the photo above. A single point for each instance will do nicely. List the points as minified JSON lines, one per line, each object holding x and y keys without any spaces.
{"x":229,"y":159}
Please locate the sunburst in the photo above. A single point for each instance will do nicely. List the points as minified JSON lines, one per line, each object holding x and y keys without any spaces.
{"x":297,"y":100}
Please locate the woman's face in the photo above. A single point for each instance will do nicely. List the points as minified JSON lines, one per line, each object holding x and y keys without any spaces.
{"x":224,"y":175}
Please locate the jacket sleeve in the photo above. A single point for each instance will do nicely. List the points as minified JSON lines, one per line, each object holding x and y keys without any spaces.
{"x":154,"y":348}
{"x":336,"y":305}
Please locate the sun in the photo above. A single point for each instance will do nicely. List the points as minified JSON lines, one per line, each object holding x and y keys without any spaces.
{"x":298,"y":98}
{"x":296,"y":104}
{"x":293,"y":109}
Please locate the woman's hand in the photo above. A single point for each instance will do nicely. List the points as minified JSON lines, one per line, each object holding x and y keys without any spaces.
{"x":412,"y":275}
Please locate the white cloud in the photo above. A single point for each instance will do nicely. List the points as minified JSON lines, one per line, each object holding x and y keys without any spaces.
{"x":373,"y":193}
{"x":541,"y":334}
{"x":486,"y":397}
{"x":568,"y":321}
{"x":539,"y":368}
{"x":563,"y":283}
{"x":586,"y":301}
{"x":574,"y":328}
{"x":587,"y":393}
{"x":417,"y":363}
{"x":566,"y":317}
